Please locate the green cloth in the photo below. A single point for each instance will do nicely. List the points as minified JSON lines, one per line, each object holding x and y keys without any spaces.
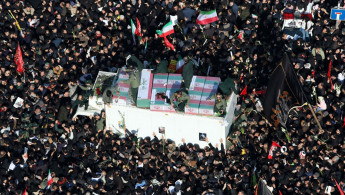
{"x":227,"y":86}
{"x":162,"y":67}
{"x":187,"y":73}
{"x":135,"y":62}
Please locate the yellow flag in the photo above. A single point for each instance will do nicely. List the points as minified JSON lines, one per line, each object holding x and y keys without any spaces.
{"x":16,"y":21}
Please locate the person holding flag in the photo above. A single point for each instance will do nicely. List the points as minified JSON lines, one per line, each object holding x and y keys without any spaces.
{"x":167,"y":29}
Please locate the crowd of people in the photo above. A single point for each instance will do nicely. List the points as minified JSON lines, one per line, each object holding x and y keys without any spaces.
{"x":66,"y":42}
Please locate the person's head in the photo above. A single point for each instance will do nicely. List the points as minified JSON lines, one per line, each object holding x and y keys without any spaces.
{"x":178,"y":94}
{"x":108,"y":93}
{"x":185,"y":59}
{"x":219,"y":96}
{"x":88,"y":82}
{"x":158,"y":59}
{"x":231,"y":3}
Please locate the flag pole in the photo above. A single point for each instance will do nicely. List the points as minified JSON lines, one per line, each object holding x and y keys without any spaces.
{"x":202,"y":30}
{"x":184,"y":36}
{"x":312,"y":111}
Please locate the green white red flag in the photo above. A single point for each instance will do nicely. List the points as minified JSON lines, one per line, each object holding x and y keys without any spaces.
{"x":167,"y":29}
{"x":207,"y":17}
{"x":50,"y":179}
{"x":133,"y":32}
{"x":179,"y":64}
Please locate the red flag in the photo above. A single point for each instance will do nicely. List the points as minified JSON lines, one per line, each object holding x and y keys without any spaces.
{"x":329,"y":74}
{"x":24,"y":193}
{"x":18,"y":59}
{"x":63,"y":181}
{"x":339,"y":188}
{"x":313,"y":73}
{"x":329,"y":69}
{"x":138,"y":29}
{"x":272,"y":149}
{"x":260,"y":92}
{"x":168,"y":44}
{"x":280,"y":193}
{"x":244,"y":91}
{"x":50,"y":179}
{"x":240,"y":35}
{"x":98,"y":91}
{"x":287,"y":16}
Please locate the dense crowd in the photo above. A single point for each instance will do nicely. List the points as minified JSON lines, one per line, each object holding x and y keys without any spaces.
{"x":66,"y":42}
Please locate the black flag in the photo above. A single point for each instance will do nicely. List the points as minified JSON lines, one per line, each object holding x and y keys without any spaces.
{"x":261,"y":189}
{"x":283,"y":92}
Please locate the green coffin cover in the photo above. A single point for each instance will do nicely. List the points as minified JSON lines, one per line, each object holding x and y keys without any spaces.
{"x":143,"y":103}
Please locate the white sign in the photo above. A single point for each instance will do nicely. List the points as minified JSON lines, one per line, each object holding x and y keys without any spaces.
{"x":145,"y":85}
{"x":18,"y":103}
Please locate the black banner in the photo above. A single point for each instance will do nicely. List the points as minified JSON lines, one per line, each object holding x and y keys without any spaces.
{"x":283,"y":92}
{"x":261,"y":189}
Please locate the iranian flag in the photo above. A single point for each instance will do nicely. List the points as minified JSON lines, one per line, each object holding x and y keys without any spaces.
{"x":133,"y":31}
{"x":207,"y":17}
{"x":167,"y":29}
{"x":179,"y":64}
{"x":235,"y":29}
{"x":50,"y":179}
